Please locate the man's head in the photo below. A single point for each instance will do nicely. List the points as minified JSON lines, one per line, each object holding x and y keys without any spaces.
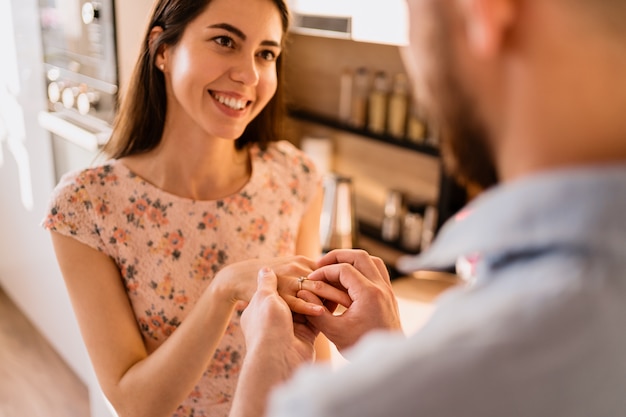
{"x":506,"y":81}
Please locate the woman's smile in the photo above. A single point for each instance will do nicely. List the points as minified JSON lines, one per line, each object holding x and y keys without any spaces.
{"x":231,"y":102}
{"x":226,"y":53}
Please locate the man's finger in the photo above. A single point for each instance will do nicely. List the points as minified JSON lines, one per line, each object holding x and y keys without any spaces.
{"x":267,"y":281}
{"x":337,"y":256}
{"x":343,"y":274}
{"x":382,"y":268}
{"x":361,"y":260}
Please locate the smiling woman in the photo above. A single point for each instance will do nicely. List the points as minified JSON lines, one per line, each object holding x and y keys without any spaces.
{"x":144,"y":109}
{"x":160,"y":245}
{"x":232,"y":65}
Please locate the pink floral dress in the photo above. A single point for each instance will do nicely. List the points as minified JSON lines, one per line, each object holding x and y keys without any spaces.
{"x":169,"y":248}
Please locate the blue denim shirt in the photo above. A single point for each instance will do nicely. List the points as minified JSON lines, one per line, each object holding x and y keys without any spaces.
{"x":541,"y":332}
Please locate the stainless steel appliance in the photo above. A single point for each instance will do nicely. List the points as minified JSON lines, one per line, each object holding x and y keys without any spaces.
{"x":80,"y":69}
{"x":338,"y":220}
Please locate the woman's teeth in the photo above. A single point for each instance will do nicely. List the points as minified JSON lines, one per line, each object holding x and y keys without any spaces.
{"x":231,"y":102}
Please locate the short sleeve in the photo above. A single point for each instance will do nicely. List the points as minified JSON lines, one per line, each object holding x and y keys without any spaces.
{"x":306,"y":180}
{"x":71,"y":211}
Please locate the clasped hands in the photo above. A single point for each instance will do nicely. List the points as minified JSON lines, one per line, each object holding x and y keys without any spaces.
{"x":293,"y":311}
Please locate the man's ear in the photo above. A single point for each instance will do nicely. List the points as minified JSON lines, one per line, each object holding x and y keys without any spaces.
{"x":160,"y":59}
{"x":487,"y":23}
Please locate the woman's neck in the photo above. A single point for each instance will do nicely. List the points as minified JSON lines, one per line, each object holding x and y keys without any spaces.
{"x":199,"y":169}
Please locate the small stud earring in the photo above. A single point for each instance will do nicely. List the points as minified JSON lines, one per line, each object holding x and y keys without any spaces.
{"x":162,"y":67}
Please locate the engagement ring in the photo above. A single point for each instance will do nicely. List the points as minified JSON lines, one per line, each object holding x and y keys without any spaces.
{"x":300,"y":281}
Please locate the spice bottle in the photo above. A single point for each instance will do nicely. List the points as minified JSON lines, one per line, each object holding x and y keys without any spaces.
{"x":398,"y":107}
{"x":378,"y":103}
{"x":392,"y":216}
{"x":416,"y":129}
{"x":412,"y":226}
{"x":345,"y":95}
{"x":360,"y":91}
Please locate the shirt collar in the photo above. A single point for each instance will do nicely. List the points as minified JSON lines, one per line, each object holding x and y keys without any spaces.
{"x":576,"y":208}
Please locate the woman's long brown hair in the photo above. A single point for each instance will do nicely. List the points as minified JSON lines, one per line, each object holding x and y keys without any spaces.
{"x":139,"y":123}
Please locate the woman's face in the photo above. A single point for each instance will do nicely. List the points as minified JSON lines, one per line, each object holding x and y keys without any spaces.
{"x":222,"y":73}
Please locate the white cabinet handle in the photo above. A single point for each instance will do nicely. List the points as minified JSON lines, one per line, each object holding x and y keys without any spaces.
{"x":90,"y":141}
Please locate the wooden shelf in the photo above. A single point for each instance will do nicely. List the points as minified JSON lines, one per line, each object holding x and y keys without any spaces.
{"x":335,"y":124}
{"x":369,"y":236}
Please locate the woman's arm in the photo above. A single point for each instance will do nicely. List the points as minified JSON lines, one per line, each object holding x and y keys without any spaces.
{"x":138,"y":384}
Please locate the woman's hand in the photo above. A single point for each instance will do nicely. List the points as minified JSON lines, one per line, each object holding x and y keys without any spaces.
{"x":238,"y":282}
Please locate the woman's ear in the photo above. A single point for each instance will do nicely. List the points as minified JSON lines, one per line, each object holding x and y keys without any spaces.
{"x":160,"y":58}
{"x":487,"y":24}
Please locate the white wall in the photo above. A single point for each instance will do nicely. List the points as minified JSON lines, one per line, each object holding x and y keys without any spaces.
{"x":28,"y":269}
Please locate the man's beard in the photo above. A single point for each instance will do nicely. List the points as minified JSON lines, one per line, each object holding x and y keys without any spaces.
{"x":465,"y":141}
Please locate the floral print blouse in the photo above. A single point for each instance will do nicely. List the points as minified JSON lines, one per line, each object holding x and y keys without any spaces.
{"x":169,"y":248}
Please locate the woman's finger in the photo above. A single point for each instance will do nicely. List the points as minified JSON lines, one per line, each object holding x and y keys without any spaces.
{"x":309,"y":297}
{"x":298,"y":265}
{"x":326,"y":291}
{"x":300,"y":306}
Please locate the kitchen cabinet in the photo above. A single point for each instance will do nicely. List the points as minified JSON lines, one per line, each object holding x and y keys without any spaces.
{"x":359,"y":20}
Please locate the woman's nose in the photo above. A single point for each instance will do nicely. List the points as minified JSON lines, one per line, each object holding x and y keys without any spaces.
{"x":245,"y":71}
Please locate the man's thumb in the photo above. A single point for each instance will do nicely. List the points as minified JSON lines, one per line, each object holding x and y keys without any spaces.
{"x":267,"y":280}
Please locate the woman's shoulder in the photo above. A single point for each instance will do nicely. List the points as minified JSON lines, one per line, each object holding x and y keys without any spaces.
{"x":287,"y":155}
{"x":104,"y":174}
{"x":76,"y":199}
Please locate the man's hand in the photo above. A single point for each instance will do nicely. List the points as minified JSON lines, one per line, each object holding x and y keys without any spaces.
{"x":366,"y":281}
{"x":268,"y":324}
{"x":276,"y":345}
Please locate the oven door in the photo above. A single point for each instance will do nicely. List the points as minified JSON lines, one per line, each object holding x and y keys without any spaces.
{"x":79,"y":57}
{"x":76,"y":144}
{"x":79,"y":37}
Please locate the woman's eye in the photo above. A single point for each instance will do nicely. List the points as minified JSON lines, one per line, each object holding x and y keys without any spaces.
{"x":224,"y":41}
{"x":268,"y":55}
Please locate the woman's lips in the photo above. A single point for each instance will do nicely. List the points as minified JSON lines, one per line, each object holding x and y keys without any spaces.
{"x":233,"y":103}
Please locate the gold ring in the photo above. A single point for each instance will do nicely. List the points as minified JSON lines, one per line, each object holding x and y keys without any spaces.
{"x":300,"y":281}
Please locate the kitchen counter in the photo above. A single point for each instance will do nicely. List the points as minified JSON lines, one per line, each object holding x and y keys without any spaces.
{"x":416,"y":295}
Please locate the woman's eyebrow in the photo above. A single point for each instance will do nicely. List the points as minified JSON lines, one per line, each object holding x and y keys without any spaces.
{"x":229,"y":28}
{"x":239,"y":33}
